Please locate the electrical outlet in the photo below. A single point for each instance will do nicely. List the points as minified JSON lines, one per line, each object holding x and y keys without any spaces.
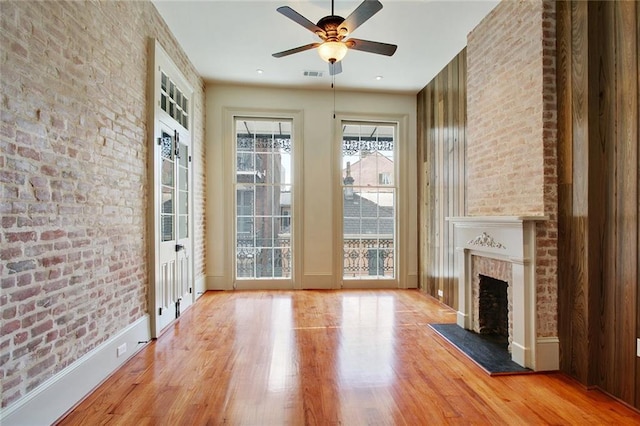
{"x":440,"y":293}
{"x":121,"y":350}
{"x":638,"y":347}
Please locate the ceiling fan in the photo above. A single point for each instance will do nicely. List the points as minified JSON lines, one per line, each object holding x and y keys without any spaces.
{"x":333,"y":31}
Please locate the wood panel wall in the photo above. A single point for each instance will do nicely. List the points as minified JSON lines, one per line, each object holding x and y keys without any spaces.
{"x":598,"y":176}
{"x":442,"y":120}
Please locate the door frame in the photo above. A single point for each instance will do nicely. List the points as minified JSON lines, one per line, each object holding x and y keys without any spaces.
{"x":229,"y":153}
{"x":401,"y":238}
{"x":159,"y":60}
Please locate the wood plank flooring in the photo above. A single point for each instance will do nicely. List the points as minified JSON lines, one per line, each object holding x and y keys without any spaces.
{"x":326,"y":358}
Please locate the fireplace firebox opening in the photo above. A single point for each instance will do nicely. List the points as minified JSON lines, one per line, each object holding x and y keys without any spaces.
{"x":493,"y":308}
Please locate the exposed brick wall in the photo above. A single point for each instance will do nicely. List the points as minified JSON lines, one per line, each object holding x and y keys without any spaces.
{"x":504,"y":88}
{"x":547,"y":232}
{"x":74,"y":179}
{"x":511,"y":145}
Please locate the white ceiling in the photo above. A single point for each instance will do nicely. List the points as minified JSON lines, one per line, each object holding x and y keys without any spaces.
{"x":228,"y":41}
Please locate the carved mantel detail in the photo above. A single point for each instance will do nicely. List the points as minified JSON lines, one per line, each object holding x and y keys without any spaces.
{"x":486,"y":240}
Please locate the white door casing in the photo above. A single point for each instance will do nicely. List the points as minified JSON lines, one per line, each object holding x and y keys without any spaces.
{"x":369,"y":203}
{"x":230,"y":199}
{"x":170,"y":192}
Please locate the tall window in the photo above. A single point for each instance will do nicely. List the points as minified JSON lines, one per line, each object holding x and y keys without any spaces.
{"x":369,"y":200}
{"x":263,"y":198}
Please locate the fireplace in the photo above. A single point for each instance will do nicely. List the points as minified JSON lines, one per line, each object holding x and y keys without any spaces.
{"x":503,"y":249}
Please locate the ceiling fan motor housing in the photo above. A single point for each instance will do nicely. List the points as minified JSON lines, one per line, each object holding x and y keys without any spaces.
{"x":330,"y":26}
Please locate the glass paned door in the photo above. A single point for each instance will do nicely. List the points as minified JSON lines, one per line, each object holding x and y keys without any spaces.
{"x":263,"y":194}
{"x":368,"y":201}
{"x":169,"y":199}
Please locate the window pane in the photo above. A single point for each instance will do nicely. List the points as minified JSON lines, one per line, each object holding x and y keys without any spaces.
{"x":264,"y":263}
{"x":183,"y":227}
{"x":184,"y":179}
{"x":245,"y":230}
{"x":282,"y":262}
{"x":264,"y":200}
{"x":167,"y":172}
{"x":167,"y":199}
{"x":166,"y":224}
{"x":183,"y":202}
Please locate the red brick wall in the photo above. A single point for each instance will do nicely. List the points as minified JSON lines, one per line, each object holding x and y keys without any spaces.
{"x":74,"y":179}
{"x":511,"y":145}
{"x":365,"y":172}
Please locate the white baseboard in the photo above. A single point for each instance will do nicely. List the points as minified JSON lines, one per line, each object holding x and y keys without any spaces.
{"x":217,"y":282}
{"x":318,"y":282}
{"x":521,"y":355}
{"x":200,"y":286}
{"x":547,"y":354}
{"x":53,"y":398}
{"x":462,"y":319}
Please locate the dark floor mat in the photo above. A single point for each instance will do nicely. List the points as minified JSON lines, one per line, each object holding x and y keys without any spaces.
{"x":489,"y":353}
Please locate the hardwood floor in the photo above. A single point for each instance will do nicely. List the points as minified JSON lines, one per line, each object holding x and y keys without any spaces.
{"x":326,"y":358}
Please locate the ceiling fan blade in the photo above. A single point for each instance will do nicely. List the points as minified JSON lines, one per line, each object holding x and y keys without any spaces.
{"x":296,"y":50}
{"x":362,"y":13}
{"x":296,"y":17}
{"x":335,"y":68}
{"x":371,"y":46}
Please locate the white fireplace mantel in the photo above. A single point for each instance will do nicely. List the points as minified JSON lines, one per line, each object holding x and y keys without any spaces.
{"x":511,"y":239}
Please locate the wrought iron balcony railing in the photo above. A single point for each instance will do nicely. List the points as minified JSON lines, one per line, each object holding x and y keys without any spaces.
{"x":362,"y":257}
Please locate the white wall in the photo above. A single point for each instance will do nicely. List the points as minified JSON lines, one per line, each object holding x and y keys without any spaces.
{"x":318,"y":133}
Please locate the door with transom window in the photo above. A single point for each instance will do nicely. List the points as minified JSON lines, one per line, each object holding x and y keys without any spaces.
{"x":170,"y":195}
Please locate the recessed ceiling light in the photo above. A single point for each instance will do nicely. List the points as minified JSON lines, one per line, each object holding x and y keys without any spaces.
{"x":259,"y":70}
{"x":379,"y":77}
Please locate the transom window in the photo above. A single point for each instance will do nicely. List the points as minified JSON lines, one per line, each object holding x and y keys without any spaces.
{"x":173,"y":101}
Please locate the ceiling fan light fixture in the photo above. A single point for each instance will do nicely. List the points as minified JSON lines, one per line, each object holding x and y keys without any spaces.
{"x":332,"y":51}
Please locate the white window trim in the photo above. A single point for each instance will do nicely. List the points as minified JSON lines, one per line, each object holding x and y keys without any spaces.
{"x":401,"y":152}
{"x":297,"y":238}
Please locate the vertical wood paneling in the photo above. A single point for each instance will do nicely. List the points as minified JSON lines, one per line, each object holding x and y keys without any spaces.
{"x":579,"y":223}
{"x":431,"y":172}
{"x":602,"y":196}
{"x":454,"y":183}
{"x":420,"y":158}
{"x":566,"y":288}
{"x":637,"y":17}
{"x":428,"y":206}
{"x":625,"y":16}
{"x":599,"y":180}
{"x":442,"y":119}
